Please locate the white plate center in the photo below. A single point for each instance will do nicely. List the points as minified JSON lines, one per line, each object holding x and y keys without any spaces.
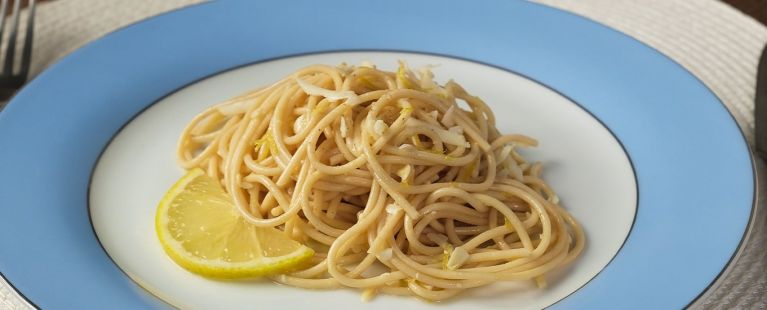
{"x":582,"y":161}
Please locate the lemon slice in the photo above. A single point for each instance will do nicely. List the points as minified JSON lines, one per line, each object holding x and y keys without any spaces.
{"x":201,"y":230}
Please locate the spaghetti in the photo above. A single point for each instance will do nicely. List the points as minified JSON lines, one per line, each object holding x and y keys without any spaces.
{"x":397,"y":188}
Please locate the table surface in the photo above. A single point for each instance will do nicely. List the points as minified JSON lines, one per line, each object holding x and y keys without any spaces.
{"x":717,"y":43}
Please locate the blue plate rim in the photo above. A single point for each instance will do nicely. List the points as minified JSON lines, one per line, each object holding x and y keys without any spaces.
{"x":755,"y":195}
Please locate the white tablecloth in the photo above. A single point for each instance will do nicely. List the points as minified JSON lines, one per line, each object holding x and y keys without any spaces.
{"x":718,"y":44}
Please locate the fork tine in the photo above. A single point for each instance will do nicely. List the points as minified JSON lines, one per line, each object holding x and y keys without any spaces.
{"x":11,"y":47}
{"x":26,"y":56}
{"x":3,"y":5}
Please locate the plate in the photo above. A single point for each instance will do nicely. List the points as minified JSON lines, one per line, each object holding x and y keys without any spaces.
{"x":691,"y":165}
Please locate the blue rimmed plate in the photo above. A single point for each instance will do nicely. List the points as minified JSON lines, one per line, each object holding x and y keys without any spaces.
{"x":636,"y":124}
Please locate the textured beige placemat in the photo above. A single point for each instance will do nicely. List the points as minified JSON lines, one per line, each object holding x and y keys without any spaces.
{"x":715,"y":42}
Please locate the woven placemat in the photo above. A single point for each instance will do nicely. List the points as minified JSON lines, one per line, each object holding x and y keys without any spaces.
{"x":718,"y":44}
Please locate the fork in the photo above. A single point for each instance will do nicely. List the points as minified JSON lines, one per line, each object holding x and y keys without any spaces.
{"x":11,"y":81}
